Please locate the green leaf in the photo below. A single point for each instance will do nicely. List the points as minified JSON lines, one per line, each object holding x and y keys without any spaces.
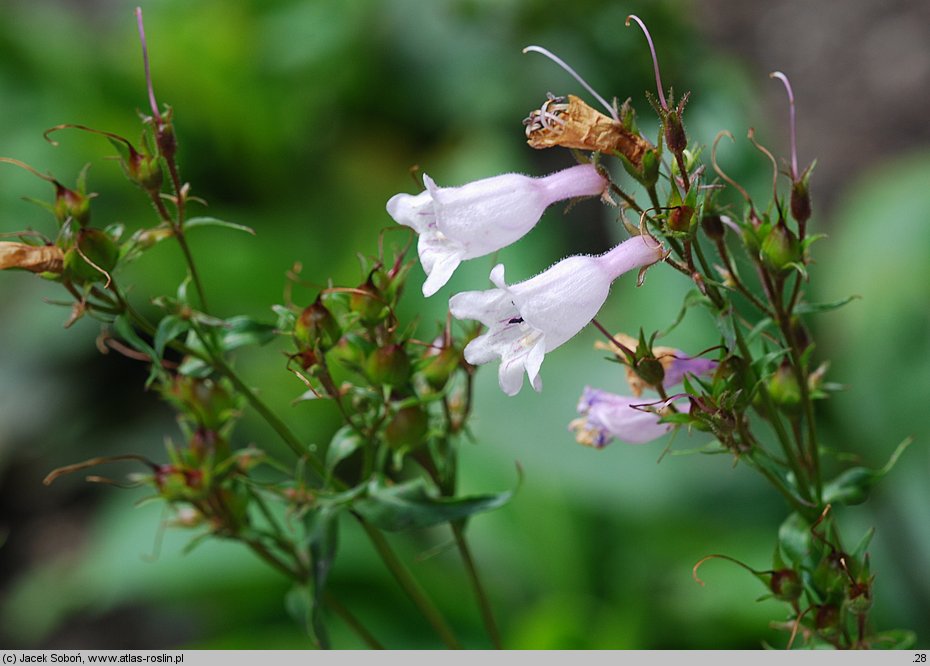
{"x":323,"y":536}
{"x":854,"y":485}
{"x":811,"y":308}
{"x":242,"y":331}
{"x":299,"y":604}
{"x":412,"y":505}
{"x":169,"y":328}
{"x":895,"y":639}
{"x":344,"y":443}
{"x":214,"y":222}
{"x":796,"y":540}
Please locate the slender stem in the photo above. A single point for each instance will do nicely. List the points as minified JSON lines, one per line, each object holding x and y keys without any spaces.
{"x":725,"y":257}
{"x":276,"y":423}
{"x":352,"y":622}
{"x":772,"y":416}
{"x":487,"y":614}
{"x":410,"y":585}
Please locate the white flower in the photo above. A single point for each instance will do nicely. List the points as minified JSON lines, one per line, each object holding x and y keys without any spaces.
{"x":478,"y":218}
{"x":528,"y":319}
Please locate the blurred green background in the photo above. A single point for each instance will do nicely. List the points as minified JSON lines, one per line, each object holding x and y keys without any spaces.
{"x":300,"y":118}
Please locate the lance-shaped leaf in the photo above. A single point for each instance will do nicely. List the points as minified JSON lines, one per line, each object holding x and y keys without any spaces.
{"x":414,"y":504}
{"x":854,"y":485}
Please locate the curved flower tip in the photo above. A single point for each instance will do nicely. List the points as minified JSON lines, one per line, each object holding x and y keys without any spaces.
{"x":607,"y":416}
{"x":528,"y":319}
{"x":481,"y":217}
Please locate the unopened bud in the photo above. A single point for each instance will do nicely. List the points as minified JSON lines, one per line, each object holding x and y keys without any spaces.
{"x":784,"y":389}
{"x":679,"y":219}
{"x":675,"y":137}
{"x":800,"y":200}
{"x":366,"y":300}
{"x":316,"y":328}
{"x":144,"y":171}
{"x":92,"y":256}
{"x":388,"y":366}
{"x":780,"y":248}
{"x":438,"y":365}
{"x":712,"y":226}
{"x":408,"y":428}
{"x":786,"y":585}
{"x":71,"y":205}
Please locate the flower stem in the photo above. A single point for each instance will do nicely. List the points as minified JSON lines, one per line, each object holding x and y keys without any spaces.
{"x":487,"y":614}
{"x":352,"y":622}
{"x":404,"y":578}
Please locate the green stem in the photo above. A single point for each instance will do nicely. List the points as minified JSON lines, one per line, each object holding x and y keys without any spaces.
{"x":487,"y":614}
{"x":336,"y":606}
{"x":772,"y":415}
{"x":410,"y":585}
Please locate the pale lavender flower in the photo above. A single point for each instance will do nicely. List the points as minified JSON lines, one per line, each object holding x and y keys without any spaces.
{"x":481,"y":217}
{"x":528,"y":319}
{"x":606,"y":416}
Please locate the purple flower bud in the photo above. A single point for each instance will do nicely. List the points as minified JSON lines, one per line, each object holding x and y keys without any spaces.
{"x":481,"y":217}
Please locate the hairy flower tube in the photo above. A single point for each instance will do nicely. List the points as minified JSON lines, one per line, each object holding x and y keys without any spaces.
{"x":481,"y":217}
{"x":528,"y":319}
{"x":606,"y":416}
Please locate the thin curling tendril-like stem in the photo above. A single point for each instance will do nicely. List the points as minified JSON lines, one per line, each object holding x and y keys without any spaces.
{"x":561,"y":63}
{"x":791,"y":122}
{"x":655,"y":59}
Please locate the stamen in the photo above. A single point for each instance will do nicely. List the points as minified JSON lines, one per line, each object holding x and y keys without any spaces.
{"x":655,"y":60}
{"x":561,"y":63}
{"x":791,"y":121}
{"x":145,"y":60}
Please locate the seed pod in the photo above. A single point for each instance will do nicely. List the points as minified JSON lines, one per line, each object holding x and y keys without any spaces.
{"x":784,"y":389}
{"x":367,"y":301}
{"x":780,"y":248}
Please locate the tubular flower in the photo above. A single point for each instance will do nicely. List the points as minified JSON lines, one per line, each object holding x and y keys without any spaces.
{"x":478,"y":218}
{"x":528,"y":319}
{"x":606,"y":416}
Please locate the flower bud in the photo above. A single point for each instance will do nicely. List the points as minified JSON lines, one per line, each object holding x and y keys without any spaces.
{"x":712,"y":226}
{"x":408,"y":428}
{"x":786,"y":585}
{"x":800,"y":200}
{"x":829,"y":577}
{"x":650,"y":370}
{"x":144,"y":170}
{"x":71,"y":205}
{"x":784,"y":389}
{"x":316,"y":328}
{"x":437,"y":366}
{"x":780,"y":248}
{"x":95,"y":246}
{"x":388,"y":366}
{"x":675,"y":137}
{"x":368,"y":303}
{"x":679,"y":219}
{"x":827,"y":619}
